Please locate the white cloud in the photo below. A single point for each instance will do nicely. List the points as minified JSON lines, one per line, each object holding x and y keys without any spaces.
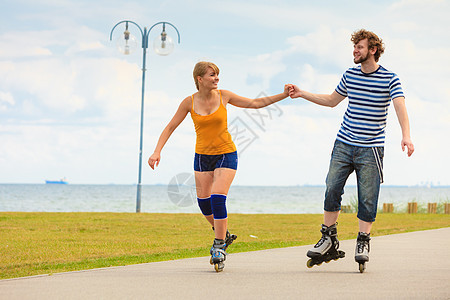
{"x":406,"y":27}
{"x":6,"y":101}
{"x":415,"y":5}
{"x":277,"y":15}
{"x":49,"y":80}
{"x":85,"y":46}
{"x":24,"y":52}
{"x":315,"y":81}
{"x":266,"y":66}
{"x":328,"y":45}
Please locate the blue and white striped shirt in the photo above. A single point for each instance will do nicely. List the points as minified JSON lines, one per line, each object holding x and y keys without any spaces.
{"x":369,"y":96}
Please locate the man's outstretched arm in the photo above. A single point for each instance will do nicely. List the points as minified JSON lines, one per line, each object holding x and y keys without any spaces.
{"x":330,"y":100}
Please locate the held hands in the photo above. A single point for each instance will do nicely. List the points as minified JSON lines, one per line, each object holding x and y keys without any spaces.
{"x":406,"y":142}
{"x":292,"y":90}
{"x":154,"y":158}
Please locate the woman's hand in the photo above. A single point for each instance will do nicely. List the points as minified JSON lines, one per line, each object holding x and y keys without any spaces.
{"x":155,"y":158}
{"x":287,"y":89}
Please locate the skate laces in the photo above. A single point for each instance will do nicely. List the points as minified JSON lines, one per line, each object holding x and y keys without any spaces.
{"x":321,"y":241}
{"x":362,"y":242}
{"x":360,"y":245}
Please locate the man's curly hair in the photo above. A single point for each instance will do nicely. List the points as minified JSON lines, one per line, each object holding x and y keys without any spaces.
{"x":374,"y":41}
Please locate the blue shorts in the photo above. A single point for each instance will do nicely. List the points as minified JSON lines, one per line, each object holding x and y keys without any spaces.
{"x":205,"y":163}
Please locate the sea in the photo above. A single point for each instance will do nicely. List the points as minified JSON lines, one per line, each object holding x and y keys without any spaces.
{"x":181,"y":198}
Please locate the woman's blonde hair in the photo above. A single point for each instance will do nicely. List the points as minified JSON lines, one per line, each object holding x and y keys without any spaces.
{"x":201,"y":68}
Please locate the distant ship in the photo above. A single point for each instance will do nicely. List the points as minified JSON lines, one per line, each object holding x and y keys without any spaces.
{"x":61,"y":181}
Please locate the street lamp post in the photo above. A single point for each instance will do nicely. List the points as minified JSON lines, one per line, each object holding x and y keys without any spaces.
{"x":163,"y":45}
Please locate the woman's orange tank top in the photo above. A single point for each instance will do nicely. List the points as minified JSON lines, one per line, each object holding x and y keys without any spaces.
{"x":212,"y":131}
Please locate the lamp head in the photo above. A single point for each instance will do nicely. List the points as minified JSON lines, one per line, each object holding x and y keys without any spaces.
{"x":163,"y":44}
{"x":126,"y":43}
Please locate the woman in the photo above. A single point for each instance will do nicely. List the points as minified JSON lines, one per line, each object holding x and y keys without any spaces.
{"x":215,"y":162}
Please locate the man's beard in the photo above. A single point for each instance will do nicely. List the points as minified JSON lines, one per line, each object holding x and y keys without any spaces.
{"x":361,"y":59}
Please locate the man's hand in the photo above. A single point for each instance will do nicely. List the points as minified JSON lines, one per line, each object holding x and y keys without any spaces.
{"x":406,"y":142}
{"x":294,"y":91}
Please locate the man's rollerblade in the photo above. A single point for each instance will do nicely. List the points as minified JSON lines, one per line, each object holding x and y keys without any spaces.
{"x":218,"y":254}
{"x":326,"y":248}
{"x":362,"y":250}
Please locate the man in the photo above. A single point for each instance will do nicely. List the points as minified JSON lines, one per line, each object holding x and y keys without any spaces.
{"x":359,"y":145}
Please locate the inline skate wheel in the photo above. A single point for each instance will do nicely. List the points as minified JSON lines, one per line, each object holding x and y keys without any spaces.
{"x":309,"y":263}
{"x":218,"y":267}
{"x":362,"y":267}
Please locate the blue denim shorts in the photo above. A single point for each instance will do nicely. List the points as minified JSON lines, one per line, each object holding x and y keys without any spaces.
{"x":205,"y":163}
{"x":367,"y":162}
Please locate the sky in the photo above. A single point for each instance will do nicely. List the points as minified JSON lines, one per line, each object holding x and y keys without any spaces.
{"x":70,"y":101}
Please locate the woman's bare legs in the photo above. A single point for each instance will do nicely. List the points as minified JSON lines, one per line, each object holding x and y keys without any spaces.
{"x":223,"y":178}
{"x":217,"y":182}
{"x":203,"y":184}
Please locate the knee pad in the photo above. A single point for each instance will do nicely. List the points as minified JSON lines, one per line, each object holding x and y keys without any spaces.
{"x":205,"y":206}
{"x":218,"y":206}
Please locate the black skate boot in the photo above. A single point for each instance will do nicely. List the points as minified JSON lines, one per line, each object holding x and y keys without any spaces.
{"x":326,"y":248}
{"x":218,"y":254}
{"x":362,"y":250}
{"x":229,"y":239}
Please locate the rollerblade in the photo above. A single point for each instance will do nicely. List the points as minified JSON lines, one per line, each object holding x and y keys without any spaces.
{"x":362,"y":250}
{"x":218,"y":254}
{"x":326,"y":248}
{"x":229,"y":238}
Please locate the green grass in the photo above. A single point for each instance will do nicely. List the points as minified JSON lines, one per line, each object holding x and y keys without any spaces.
{"x":46,"y":243}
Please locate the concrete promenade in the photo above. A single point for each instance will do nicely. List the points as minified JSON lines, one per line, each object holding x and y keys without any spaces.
{"x":403,"y":266}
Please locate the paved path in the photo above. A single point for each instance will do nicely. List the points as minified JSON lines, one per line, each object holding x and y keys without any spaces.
{"x":404,"y":266}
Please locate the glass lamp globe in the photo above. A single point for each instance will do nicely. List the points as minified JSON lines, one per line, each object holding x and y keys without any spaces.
{"x":163,"y":44}
{"x":126,"y":43}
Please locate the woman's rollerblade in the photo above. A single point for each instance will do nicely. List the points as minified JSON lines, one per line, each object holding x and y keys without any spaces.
{"x":362,"y":250}
{"x":218,"y":254}
{"x":218,"y":251}
{"x":229,"y":239}
{"x":326,"y":248}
